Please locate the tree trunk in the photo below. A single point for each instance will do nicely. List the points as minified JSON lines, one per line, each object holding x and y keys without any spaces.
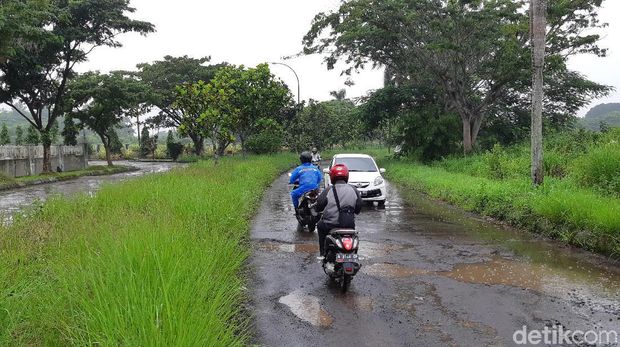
{"x":108,"y":155}
{"x":138,"y":125}
{"x":199,"y":143}
{"x":538,"y":27}
{"x":106,"y":146}
{"x":47,"y":157}
{"x":242,"y":140}
{"x":468,"y":146}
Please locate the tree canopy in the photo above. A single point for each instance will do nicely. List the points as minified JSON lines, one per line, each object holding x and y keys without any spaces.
{"x":38,"y":73}
{"x":474,"y":54}
{"x":101,"y":101}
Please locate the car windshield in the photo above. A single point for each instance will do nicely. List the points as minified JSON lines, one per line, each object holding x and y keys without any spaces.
{"x":358,"y":164}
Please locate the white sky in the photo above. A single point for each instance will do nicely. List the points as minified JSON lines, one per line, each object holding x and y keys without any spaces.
{"x":250,"y":32}
{"x":246,"y":32}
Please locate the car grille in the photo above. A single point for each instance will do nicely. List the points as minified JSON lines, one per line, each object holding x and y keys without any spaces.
{"x":360,"y":184}
{"x":371,"y":193}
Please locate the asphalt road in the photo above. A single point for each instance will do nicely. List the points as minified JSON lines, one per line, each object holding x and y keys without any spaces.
{"x":431,"y":276}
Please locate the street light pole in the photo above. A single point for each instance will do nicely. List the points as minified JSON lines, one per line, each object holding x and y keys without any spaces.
{"x":296,"y":76}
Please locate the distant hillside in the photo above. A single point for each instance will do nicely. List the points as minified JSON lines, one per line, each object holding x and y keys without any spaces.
{"x":603,"y":109}
{"x":12,"y":119}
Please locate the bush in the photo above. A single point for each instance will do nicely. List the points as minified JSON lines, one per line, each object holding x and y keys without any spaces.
{"x":269,"y":138}
{"x":600,"y":169}
{"x":174,"y":150}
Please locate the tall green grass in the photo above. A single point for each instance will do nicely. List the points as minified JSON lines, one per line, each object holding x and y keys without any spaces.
{"x":157,"y":261}
{"x":579,"y":202}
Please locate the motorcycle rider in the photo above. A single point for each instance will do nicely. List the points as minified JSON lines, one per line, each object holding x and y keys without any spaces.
{"x":339,"y":193}
{"x":307,"y":177}
{"x":316,"y":156}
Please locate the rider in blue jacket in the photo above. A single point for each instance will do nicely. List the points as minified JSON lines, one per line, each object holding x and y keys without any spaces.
{"x":307,"y":176}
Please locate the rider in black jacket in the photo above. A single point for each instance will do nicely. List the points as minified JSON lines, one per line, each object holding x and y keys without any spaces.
{"x":350,"y":204}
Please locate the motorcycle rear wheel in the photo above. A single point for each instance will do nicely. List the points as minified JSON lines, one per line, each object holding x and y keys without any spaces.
{"x":311,"y":227}
{"x":345,"y":283}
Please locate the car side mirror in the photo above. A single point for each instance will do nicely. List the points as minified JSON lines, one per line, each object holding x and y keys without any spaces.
{"x":326,"y":171}
{"x":382,"y":170}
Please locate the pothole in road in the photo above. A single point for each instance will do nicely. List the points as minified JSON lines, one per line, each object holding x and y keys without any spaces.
{"x":356,"y":303}
{"x":393,"y":270}
{"x":500,"y":271}
{"x":307,"y":308}
{"x":367,"y":250}
{"x":289,"y":247}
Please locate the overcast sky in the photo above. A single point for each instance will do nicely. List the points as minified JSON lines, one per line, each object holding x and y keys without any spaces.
{"x":250,"y":32}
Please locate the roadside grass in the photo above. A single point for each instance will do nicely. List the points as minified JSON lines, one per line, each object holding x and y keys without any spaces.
{"x":155,"y":261}
{"x":579,"y":202}
{"x":96,"y":170}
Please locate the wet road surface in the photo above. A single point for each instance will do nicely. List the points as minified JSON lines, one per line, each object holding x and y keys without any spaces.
{"x":431,"y":276}
{"x":13,"y":201}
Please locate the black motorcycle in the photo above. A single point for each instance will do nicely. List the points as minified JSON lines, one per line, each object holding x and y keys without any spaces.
{"x":341,"y":261}
{"x":307,"y":215}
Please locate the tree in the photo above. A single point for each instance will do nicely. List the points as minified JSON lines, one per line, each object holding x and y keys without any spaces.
{"x":18,"y":25}
{"x":32,"y":136}
{"x":258,"y":95}
{"x":100,"y":102}
{"x":38,"y":74}
{"x":70,"y":132}
{"x":475,"y":54}
{"x":19,"y":136}
{"x":163,"y":77}
{"x":268,"y":138}
{"x":145,"y":142}
{"x":5,"y":139}
{"x":538,"y":26}
{"x":324,"y":124}
{"x":339,"y":95}
{"x":208,"y":110}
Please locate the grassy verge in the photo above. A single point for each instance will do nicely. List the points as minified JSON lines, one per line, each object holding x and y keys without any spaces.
{"x":564,"y":208}
{"x":11,"y":183}
{"x":156,"y":261}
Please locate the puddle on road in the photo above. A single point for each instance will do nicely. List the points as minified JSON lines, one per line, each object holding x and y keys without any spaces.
{"x":501,"y":271}
{"x":358,"y":303}
{"x":538,"y":277}
{"x":367,"y":250}
{"x":289,"y":247}
{"x":392,"y":270}
{"x":307,"y":308}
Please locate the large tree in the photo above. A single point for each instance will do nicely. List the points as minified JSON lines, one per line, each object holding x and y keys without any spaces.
{"x":100,"y":102}
{"x":37,"y":75}
{"x":474,"y":53}
{"x":20,"y":25}
{"x":538,"y":17}
{"x":257,"y":95}
{"x":163,"y":77}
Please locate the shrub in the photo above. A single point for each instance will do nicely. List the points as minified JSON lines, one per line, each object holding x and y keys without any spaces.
{"x":269,"y":138}
{"x":174,"y":150}
{"x":600,"y":168}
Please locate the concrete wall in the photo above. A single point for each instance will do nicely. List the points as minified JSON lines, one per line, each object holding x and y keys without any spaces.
{"x":17,"y":161}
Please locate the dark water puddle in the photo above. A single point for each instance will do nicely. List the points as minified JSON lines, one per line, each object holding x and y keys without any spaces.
{"x":393,"y":270}
{"x":358,"y":303}
{"x":307,"y":308}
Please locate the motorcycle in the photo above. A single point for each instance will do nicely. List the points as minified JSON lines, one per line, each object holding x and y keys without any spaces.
{"x":341,"y":261}
{"x":307,"y":215}
{"x":317,"y":164}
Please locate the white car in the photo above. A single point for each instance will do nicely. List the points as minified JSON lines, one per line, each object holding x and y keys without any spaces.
{"x":364,"y":174}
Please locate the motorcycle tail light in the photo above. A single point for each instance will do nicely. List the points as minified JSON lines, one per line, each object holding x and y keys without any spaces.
{"x":347,"y":243}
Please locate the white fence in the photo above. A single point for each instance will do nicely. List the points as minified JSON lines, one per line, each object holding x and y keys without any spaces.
{"x":17,"y":161}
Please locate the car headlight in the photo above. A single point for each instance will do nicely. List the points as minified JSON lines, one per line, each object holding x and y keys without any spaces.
{"x":378,"y":180}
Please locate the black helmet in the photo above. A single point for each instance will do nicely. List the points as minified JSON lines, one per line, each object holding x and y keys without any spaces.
{"x":305,"y":157}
